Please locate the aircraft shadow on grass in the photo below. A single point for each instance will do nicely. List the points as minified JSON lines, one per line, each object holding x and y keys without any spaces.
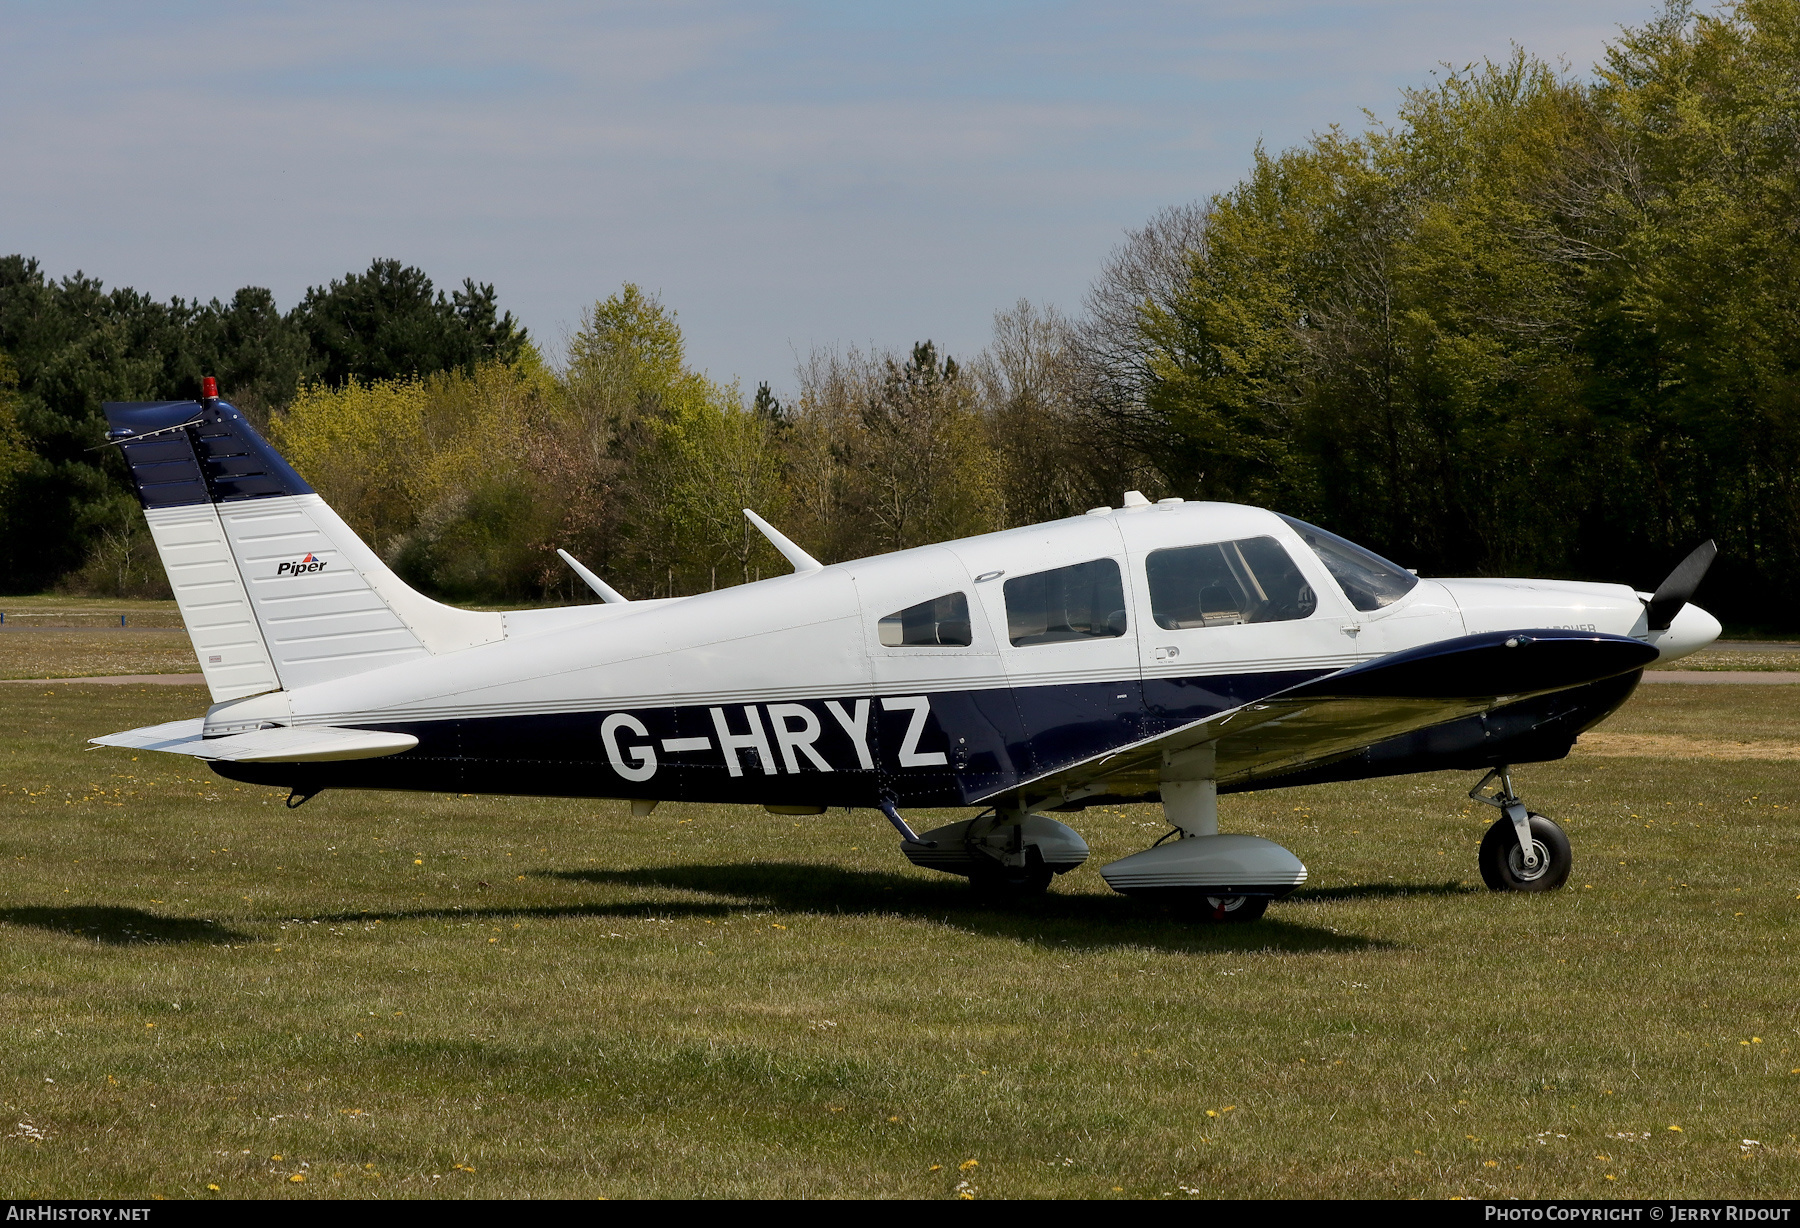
{"x":120,"y":927}
{"x":1064,"y":922}
{"x":1383,"y":891}
{"x":1082,"y":922}
{"x":1053,"y":920}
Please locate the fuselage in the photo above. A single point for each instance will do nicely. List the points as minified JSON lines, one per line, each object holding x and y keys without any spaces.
{"x":942,"y":675}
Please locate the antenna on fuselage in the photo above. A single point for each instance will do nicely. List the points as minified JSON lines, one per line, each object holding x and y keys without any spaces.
{"x":801,"y":560}
{"x":606,"y":592}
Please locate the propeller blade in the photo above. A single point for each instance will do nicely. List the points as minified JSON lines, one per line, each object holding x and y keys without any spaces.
{"x":1674,"y":592}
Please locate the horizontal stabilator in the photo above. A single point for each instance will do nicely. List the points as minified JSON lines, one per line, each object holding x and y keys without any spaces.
{"x":1490,"y":664}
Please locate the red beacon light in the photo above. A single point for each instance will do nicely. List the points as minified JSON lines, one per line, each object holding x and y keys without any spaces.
{"x":209,"y":388}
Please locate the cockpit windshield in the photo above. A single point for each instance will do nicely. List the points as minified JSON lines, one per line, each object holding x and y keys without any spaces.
{"x":1368,"y":580}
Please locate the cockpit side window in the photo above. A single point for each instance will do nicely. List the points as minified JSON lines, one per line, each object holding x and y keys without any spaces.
{"x":1217,"y":585}
{"x":1368,"y":580}
{"x":1086,"y":601}
{"x":938,"y":622}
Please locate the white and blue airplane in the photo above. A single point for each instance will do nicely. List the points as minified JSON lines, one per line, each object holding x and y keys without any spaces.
{"x":1166,"y":651}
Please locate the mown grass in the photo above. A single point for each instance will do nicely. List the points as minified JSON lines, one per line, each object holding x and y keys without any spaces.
{"x":1727,"y":659}
{"x":55,"y":609}
{"x":40,"y":653}
{"x":393,"y":995}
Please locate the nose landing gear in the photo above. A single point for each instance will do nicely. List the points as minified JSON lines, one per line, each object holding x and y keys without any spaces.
{"x":1523,"y":850}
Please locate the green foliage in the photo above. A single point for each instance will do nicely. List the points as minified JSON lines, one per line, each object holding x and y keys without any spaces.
{"x":1536,"y":325}
{"x":15,"y":456}
{"x":387,"y":322}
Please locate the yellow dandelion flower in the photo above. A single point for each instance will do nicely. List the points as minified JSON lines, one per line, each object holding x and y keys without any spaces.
{"x":298,"y":1177}
{"x":935,"y":1168}
{"x":966,"y":1165}
{"x":1677,"y":1129}
{"x":1210,"y":1113}
{"x":213,"y":1188}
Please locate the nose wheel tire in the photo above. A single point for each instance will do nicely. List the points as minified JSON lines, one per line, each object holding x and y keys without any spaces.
{"x":1503,"y":865}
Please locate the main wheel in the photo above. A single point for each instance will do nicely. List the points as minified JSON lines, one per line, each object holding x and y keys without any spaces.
{"x":1503,"y":865}
{"x":1199,"y":904}
{"x":1238,"y":908}
{"x":993,"y":881}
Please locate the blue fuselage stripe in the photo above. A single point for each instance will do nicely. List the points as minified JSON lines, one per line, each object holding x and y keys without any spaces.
{"x":965,"y":745}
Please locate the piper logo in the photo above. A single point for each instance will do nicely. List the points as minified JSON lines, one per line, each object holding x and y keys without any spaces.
{"x":301,"y":568}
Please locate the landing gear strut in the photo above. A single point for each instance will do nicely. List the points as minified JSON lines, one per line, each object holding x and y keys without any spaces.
{"x":1019,"y":872}
{"x":1523,"y":850}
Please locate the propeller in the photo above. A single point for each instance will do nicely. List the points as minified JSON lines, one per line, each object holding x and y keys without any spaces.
{"x":1674,"y":592}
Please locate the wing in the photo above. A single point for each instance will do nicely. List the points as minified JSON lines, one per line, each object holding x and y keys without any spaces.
{"x":1329,"y":717}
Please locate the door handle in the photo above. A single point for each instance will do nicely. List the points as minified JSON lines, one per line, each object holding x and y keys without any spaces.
{"x":1167,"y":654}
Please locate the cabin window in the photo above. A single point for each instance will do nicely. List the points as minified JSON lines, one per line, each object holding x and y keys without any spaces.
{"x":1219,"y":585}
{"x":1083,"y":602}
{"x":942,"y":620}
{"x":1368,"y":580}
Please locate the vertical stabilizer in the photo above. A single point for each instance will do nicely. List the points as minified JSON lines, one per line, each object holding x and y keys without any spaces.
{"x":276,"y":590}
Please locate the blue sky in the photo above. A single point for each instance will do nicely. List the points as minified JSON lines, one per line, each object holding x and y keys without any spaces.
{"x":784,"y":175}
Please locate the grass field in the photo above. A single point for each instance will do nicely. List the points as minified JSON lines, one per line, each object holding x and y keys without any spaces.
{"x":43,"y":653}
{"x":53,"y":609}
{"x":390,"y":995}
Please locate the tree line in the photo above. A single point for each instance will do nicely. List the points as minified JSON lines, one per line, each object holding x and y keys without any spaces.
{"x":66,"y":511}
{"x":1535,"y":324}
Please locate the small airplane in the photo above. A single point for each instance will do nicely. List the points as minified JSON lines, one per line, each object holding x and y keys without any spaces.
{"x":1167,"y":651}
